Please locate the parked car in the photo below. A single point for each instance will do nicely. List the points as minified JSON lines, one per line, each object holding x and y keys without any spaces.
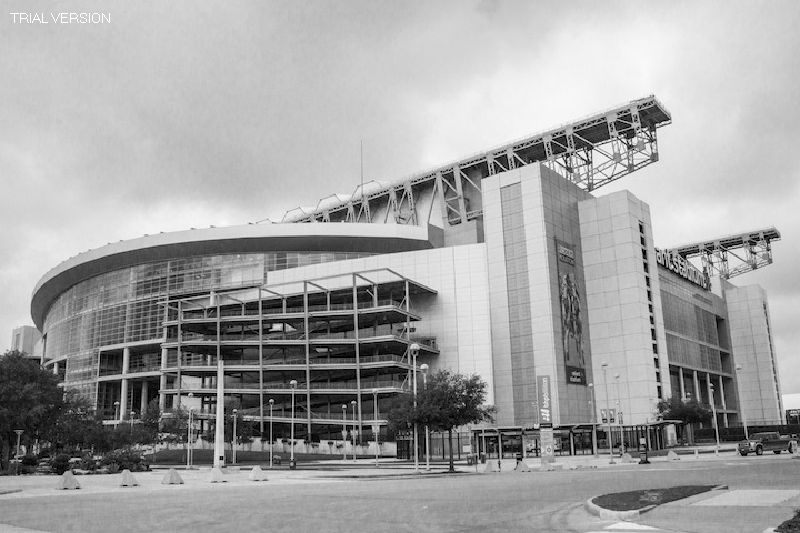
{"x":770,"y":441}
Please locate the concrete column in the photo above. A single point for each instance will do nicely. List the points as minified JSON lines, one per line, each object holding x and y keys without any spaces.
{"x":145,"y":391}
{"x":162,"y":381}
{"x":683,"y":385}
{"x":123,"y":400}
{"x":55,"y":368}
{"x":696,"y":382}
{"x":219,"y":440}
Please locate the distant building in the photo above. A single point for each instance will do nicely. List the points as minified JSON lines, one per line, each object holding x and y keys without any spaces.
{"x":24,"y":339}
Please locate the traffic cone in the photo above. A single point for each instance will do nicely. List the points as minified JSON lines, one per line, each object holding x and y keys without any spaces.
{"x":68,"y":481}
{"x":127,"y":479}
{"x":217,"y":476}
{"x":256,"y":474}
{"x":172,"y":478}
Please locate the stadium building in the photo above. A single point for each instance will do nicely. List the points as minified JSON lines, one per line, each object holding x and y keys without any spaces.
{"x":507,"y":264}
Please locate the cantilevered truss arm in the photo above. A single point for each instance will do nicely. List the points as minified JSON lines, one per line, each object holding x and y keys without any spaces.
{"x":591,"y":153}
{"x":733,"y":255}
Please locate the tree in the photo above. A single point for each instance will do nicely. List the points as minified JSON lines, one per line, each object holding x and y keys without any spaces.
{"x":77,"y":426}
{"x":30,"y":400}
{"x":450,"y":400}
{"x":688,"y":412}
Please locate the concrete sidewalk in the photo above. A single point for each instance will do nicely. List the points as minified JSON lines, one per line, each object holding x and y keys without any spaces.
{"x":726,"y":511}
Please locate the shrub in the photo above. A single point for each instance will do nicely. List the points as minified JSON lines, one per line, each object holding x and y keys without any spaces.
{"x":60,"y":463}
{"x":29,"y":460}
{"x":124,"y":459}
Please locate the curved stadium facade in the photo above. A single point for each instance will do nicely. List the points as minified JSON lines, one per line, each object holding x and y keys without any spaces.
{"x":505,"y":264}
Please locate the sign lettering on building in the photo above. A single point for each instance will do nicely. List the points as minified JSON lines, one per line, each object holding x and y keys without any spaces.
{"x":677,"y":264}
{"x":566,"y":254}
{"x":545,"y":400}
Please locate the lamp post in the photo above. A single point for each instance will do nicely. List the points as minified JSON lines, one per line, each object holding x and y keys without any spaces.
{"x":189,"y":436}
{"x":116,"y":412}
{"x":19,"y":433}
{"x":233,"y":438}
{"x":344,"y":432}
{"x":593,"y":419}
{"x":424,"y":368}
{"x":714,"y":414}
{"x":414,"y":350}
{"x":619,"y":417}
{"x":292,"y":464}
{"x":133,"y":413}
{"x":271,"y":444}
{"x":604,"y":366}
{"x":354,"y":431}
{"x":375,"y":426}
{"x":741,"y":407}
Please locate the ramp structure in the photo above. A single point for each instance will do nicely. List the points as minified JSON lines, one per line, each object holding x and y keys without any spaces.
{"x":732,"y":255}
{"x":590,"y":152}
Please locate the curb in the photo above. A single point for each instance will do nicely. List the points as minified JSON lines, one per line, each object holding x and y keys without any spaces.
{"x":9,"y":491}
{"x":608,"y":514}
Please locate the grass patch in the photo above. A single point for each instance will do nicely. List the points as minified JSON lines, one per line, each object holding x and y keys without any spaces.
{"x":639,"y":499}
{"x":792,"y":525}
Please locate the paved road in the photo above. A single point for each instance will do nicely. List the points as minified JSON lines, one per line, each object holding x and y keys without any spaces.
{"x":330,"y":501}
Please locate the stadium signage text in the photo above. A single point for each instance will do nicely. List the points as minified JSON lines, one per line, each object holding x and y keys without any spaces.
{"x":682,"y":267}
{"x":566,"y":254}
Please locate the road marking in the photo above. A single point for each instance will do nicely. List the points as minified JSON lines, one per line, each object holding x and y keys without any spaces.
{"x":630,"y":526}
{"x":8,"y":528}
{"x":750,"y":498}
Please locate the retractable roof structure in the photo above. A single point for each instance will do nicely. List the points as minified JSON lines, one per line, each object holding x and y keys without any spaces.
{"x":590,"y":152}
{"x":734,"y":254}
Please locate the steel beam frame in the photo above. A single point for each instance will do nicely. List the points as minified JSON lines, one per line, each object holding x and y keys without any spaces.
{"x":591,"y":153}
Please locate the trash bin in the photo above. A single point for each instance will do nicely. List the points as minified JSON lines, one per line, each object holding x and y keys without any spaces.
{"x":276,"y":460}
{"x":292,"y":464}
{"x":483,"y":458}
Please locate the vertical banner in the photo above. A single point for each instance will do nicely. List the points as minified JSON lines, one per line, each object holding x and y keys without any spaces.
{"x":544,"y":401}
{"x":573,"y":341}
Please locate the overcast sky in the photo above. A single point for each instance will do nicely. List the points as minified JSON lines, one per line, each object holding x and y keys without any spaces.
{"x":188,"y":114}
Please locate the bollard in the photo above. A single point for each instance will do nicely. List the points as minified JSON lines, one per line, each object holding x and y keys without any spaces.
{"x":256,"y":474}
{"x":696,"y":453}
{"x":172,"y":478}
{"x":522,"y":466}
{"x":68,"y":482}
{"x":127,"y":479}
{"x":217,"y":476}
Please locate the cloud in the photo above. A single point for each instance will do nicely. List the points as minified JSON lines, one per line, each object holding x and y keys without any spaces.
{"x":184,"y":115}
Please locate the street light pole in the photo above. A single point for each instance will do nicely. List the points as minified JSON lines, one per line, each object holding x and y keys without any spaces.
{"x":741,"y":407}
{"x":593,"y":412}
{"x":116,"y":412}
{"x":424,"y":368}
{"x":619,"y":417}
{"x":271,"y":443}
{"x":604,"y":366}
{"x":292,"y":464}
{"x":344,"y":432}
{"x":189,"y":436}
{"x":19,"y":433}
{"x":233,"y":438}
{"x":714,"y":414}
{"x":414,"y":349}
{"x":133,"y":413}
{"x":375,"y":426}
{"x":353,"y":432}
